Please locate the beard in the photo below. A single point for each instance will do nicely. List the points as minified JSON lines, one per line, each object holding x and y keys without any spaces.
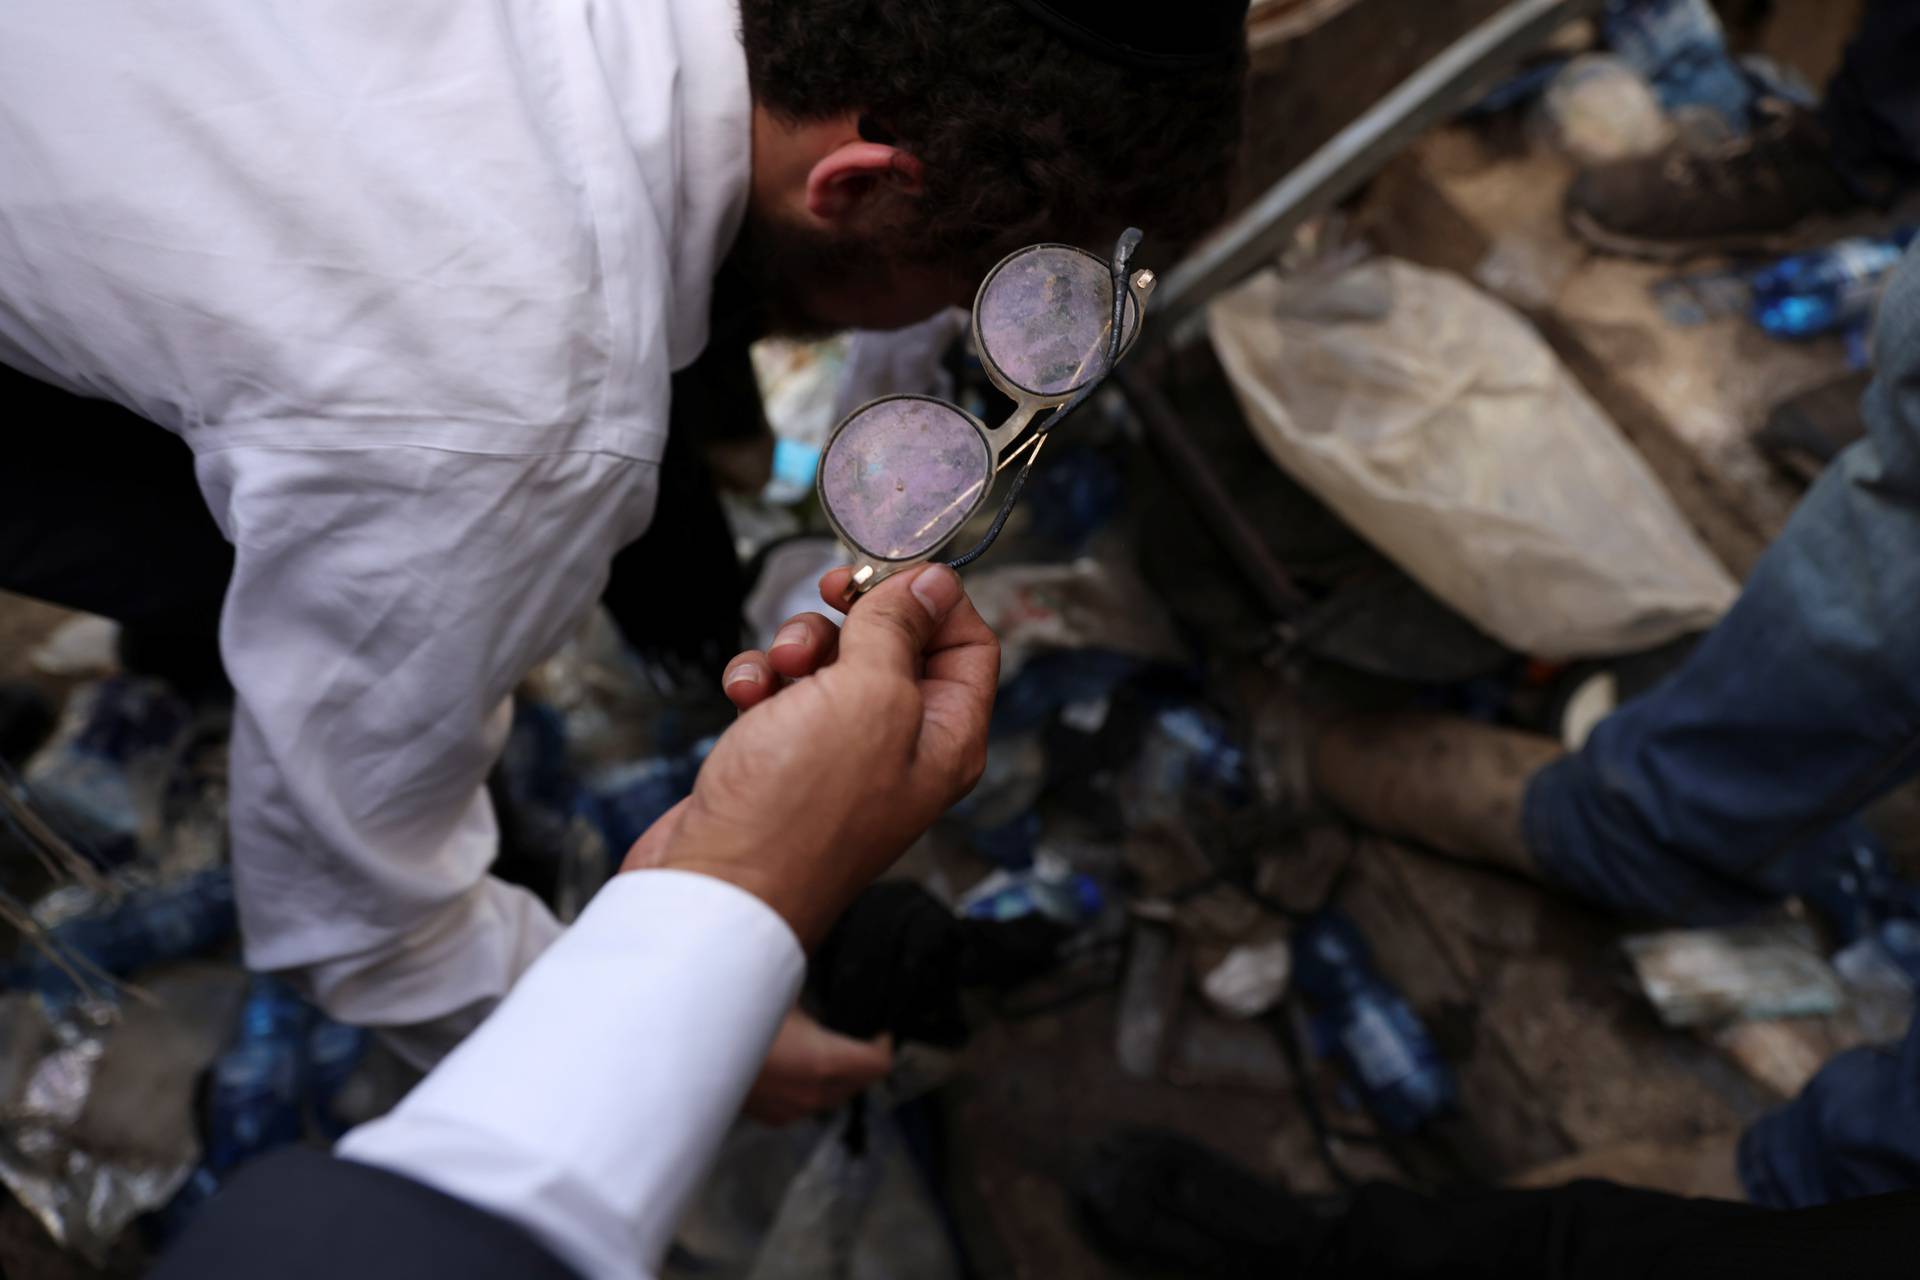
{"x":808,"y":282}
{"x":794,"y":274}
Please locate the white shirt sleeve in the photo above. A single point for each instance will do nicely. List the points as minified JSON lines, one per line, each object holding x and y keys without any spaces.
{"x":591,"y":1105}
{"x":385,"y":601}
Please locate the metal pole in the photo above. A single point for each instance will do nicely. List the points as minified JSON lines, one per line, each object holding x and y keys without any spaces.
{"x":1432,"y":94}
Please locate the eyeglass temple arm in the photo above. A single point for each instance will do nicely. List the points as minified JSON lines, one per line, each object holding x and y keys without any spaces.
{"x":1123,"y":251}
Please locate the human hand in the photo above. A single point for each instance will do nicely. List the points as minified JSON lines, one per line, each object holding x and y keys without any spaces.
{"x":811,"y":1070}
{"x":824,"y":781}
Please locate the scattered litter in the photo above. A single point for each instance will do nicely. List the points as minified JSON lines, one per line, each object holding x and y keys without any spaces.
{"x":1694,"y":298}
{"x":1149,"y":999}
{"x":1680,"y":46}
{"x":798,"y":385}
{"x":1388,"y":1056}
{"x":101,"y":778}
{"x":1048,"y":888}
{"x":1251,"y":980}
{"x":86,"y":645}
{"x":1188,"y":758}
{"x":1832,"y":290}
{"x":1600,"y":109}
{"x":1087,"y":603}
{"x":100,"y":1111}
{"x":120,"y":935}
{"x":1696,"y":977}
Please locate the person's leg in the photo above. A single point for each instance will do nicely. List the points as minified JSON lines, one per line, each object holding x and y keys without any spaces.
{"x":1872,"y":109}
{"x":1450,"y":784}
{"x":100,"y":511}
{"x":1704,"y":799}
{"x":1853,"y":1131}
{"x":1797,"y":710}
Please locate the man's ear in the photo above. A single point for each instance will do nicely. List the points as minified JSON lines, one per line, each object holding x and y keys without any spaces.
{"x":841,"y":181}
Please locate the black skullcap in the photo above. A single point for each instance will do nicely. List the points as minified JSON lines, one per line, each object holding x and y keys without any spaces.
{"x":1152,"y":35}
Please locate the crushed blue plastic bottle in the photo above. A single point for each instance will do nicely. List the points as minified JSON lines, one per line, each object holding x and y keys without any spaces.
{"x":1388,"y":1055}
{"x":1067,"y":897}
{"x":188,"y":917}
{"x":255,"y":1093}
{"x":84,"y":785}
{"x":1830,"y":290}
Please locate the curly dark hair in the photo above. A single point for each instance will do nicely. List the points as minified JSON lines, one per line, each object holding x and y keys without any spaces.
{"x":1021,"y":136}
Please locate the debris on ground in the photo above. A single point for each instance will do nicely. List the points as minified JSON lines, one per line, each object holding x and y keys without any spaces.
{"x":1509,"y":476}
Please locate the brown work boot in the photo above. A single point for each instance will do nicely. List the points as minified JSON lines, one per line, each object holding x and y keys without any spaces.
{"x":1769,"y":192}
{"x":1442,"y":781}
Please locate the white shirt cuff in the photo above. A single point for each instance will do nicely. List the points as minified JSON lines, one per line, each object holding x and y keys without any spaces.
{"x":590,"y":1106}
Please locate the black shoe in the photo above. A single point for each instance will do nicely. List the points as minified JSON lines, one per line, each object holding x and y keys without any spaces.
{"x":1769,"y":192}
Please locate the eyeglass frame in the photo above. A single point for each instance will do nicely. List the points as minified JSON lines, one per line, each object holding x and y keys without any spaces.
{"x":871,"y":570}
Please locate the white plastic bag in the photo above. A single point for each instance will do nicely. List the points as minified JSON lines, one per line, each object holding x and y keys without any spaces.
{"x":1438,"y":424}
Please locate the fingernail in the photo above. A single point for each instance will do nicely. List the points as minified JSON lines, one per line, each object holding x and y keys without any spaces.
{"x":793,"y":634}
{"x":937,"y":589}
{"x":745,"y":673}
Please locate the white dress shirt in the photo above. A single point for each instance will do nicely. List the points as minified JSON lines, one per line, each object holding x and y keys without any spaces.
{"x":410,"y":279}
{"x":590,"y":1107}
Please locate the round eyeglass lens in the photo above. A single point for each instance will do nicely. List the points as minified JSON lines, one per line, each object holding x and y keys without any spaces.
{"x":1044,"y":318}
{"x":902,"y":474}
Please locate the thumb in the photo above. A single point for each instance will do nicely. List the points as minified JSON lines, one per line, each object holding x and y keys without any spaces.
{"x":854,"y":1061}
{"x":891,"y":626}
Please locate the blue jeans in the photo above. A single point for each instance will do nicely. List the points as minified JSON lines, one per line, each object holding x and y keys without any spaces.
{"x":1739,"y":777}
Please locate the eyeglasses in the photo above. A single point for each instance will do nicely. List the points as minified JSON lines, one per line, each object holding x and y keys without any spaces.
{"x":902,"y":474}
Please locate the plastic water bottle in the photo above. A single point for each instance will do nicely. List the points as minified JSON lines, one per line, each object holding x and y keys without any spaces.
{"x":334,"y":1052}
{"x":1836,"y":288}
{"x":1369,"y":1026}
{"x":148,"y":927}
{"x":86,"y":783}
{"x":1188,"y":757}
{"x":254,"y":1100}
{"x":1681,"y":48}
{"x":1048,"y":888}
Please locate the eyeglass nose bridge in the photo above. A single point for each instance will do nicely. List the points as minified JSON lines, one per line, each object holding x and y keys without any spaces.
{"x":870,"y":570}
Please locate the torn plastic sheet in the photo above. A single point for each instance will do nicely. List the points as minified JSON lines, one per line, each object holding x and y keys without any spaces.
{"x":47,"y":1074}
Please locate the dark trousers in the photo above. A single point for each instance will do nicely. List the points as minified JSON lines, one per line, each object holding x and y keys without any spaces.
{"x":1599,"y":1231}
{"x":99,"y":510}
{"x":1873,"y":104}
